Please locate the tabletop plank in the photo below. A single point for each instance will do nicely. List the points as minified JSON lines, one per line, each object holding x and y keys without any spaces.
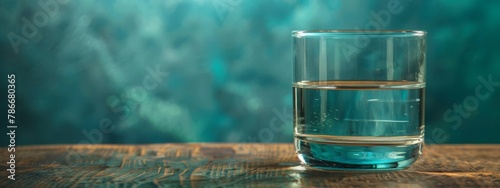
{"x":248,"y":165}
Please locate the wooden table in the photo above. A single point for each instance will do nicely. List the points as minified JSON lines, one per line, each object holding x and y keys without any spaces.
{"x":235,"y":165}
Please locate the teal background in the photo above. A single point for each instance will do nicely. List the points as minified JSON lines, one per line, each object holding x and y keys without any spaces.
{"x":223,"y":67}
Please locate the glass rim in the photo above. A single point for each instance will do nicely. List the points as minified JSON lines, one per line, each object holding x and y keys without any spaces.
{"x":333,"y":32}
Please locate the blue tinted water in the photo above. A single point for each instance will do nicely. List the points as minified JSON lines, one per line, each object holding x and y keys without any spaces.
{"x":358,"y":125}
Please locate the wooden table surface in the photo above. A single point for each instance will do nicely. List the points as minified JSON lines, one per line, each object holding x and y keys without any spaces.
{"x":235,"y":165}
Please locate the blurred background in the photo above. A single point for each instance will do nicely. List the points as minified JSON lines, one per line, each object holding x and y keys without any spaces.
{"x":220,"y":70}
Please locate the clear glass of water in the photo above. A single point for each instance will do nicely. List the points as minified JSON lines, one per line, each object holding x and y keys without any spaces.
{"x":358,"y":98}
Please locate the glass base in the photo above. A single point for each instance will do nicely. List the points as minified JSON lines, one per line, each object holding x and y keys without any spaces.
{"x":357,"y":157}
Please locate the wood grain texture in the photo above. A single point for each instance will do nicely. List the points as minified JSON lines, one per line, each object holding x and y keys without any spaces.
{"x":236,"y":165}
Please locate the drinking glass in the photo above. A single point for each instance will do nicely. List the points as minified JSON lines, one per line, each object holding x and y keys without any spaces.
{"x":358,"y":98}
